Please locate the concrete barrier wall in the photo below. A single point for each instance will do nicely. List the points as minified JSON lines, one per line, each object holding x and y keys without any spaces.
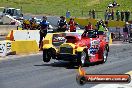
{"x":24,"y":47}
{"x":24,"y":35}
{"x":18,"y":47}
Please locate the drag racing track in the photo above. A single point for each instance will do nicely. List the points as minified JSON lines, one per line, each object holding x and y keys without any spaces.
{"x":32,"y":72}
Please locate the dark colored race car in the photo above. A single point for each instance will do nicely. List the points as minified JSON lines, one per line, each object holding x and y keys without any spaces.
{"x":82,"y":48}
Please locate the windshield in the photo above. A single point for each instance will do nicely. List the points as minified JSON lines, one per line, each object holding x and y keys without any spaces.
{"x":90,"y":34}
{"x":17,"y":13}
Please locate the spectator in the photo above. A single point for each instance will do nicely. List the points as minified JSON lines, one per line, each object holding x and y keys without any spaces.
{"x":112,"y":14}
{"x":118,"y":15}
{"x":97,"y":25}
{"x":127,"y":15}
{"x":43,"y":30}
{"x":26,"y":24}
{"x":106,"y":23}
{"x":118,"y":32}
{"x":100,"y":23}
{"x":113,"y":35}
{"x":122,"y":15}
{"x":125,"y":32}
{"x":109,"y":14}
{"x":68,"y":14}
{"x":90,"y":13}
{"x":72,"y":25}
{"x":93,"y":14}
{"x":32,"y":23}
{"x":130,"y":30}
{"x":101,"y":29}
{"x":62,"y":25}
{"x":89,"y":27}
{"x":106,"y":15}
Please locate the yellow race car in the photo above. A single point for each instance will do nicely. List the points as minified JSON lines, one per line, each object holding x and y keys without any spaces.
{"x":74,"y":47}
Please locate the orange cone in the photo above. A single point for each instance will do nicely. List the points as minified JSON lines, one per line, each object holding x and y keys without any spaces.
{"x":11,"y":36}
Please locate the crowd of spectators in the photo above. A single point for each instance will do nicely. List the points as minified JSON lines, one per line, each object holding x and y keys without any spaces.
{"x":92,"y":14}
{"x":112,"y":14}
{"x":120,"y":15}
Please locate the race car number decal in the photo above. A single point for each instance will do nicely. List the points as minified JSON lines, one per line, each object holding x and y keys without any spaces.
{"x":94,"y":47}
{"x":94,"y":44}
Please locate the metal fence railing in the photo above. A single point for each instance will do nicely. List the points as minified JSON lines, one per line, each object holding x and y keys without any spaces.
{"x":98,"y":14}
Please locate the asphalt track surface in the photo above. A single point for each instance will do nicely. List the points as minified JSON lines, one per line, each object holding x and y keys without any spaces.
{"x":32,"y":72}
{"x":52,"y":19}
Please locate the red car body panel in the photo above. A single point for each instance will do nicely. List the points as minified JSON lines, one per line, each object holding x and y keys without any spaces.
{"x":96,"y":54}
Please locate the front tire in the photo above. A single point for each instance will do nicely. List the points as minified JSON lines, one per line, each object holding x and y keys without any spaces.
{"x":105,"y":56}
{"x":81,"y":58}
{"x":107,"y":48}
{"x":46,"y":55}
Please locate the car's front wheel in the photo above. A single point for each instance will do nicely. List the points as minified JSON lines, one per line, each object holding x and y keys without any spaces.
{"x":107,"y":47}
{"x":81,"y":58}
{"x":46,"y":55}
{"x":105,"y":56}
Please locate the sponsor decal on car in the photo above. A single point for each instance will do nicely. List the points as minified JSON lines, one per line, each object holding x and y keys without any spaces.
{"x":94,"y":46}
